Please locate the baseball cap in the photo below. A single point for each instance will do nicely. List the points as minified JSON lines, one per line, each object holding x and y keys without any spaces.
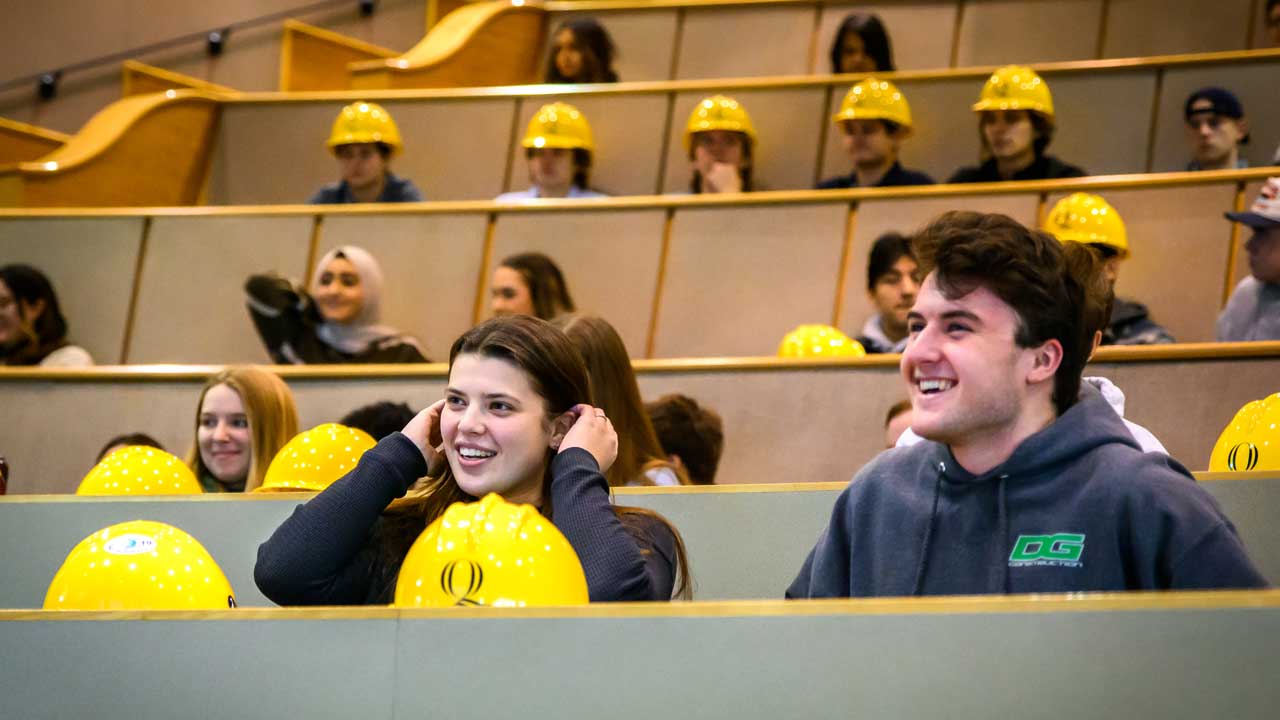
{"x":1222,"y":102}
{"x":1265,"y":212}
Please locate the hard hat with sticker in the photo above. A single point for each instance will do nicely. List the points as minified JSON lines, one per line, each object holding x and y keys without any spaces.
{"x":139,"y":565}
{"x":491,"y":553}
{"x":1251,"y":441}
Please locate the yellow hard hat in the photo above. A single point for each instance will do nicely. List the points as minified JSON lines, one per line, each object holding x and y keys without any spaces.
{"x":874,"y":99}
{"x":819,"y":341}
{"x":1251,"y":441}
{"x":139,"y":565}
{"x":719,"y":112}
{"x":1085,"y":218}
{"x":491,"y":553}
{"x":364,"y":122}
{"x":314,"y":459}
{"x":1014,"y":87}
{"x":559,"y":125}
{"x":140,"y":470}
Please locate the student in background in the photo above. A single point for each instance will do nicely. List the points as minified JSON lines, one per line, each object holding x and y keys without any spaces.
{"x":874,"y":120}
{"x":379,"y":419}
{"x":337,"y":322}
{"x":861,"y":46}
{"x":896,"y":422}
{"x":581,"y":52}
{"x":641,"y":459}
{"x":1091,"y":221}
{"x":529,"y":284}
{"x":32,"y":328}
{"x":127,"y":440}
{"x":1015,"y":126}
{"x":1025,"y":484}
{"x":243,"y":417}
{"x":1216,"y":128}
{"x":1253,"y":312}
{"x":559,"y":147}
{"x":364,"y":139}
{"x":516,"y":420}
{"x":721,"y":142}
{"x":892,"y":284}
{"x":691,"y":435}
{"x":1272,"y":20}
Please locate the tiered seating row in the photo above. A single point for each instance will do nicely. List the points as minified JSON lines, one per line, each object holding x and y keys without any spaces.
{"x":784,"y":421}
{"x":679,"y":277}
{"x":743,"y":542}
{"x":1179,"y":655}
{"x":1113,"y":117}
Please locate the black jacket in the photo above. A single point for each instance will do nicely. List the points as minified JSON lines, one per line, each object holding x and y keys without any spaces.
{"x":896,"y":177}
{"x":1046,"y":167}
{"x":286,"y":319}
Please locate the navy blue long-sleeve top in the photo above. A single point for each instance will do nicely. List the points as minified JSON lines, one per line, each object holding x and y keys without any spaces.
{"x":340,"y":549}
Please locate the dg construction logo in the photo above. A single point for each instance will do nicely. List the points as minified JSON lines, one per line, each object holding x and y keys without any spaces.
{"x":1056,"y":550}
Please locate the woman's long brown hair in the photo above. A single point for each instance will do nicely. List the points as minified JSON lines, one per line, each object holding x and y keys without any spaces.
{"x":558,"y":374}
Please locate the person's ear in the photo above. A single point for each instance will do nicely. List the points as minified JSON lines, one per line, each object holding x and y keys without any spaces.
{"x":1242,"y":125}
{"x":1046,"y":360}
{"x":560,"y":427}
{"x":1097,"y":340}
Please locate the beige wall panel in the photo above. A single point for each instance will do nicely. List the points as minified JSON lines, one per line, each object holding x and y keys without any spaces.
{"x":794,"y":425}
{"x":430,"y":264}
{"x":788,"y":123}
{"x":1169,"y":27}
{"x":66,"y":424}
{"x":325,"y":400}
{"x":80,"y":96}
{"x":746,"y":42}
{"x":275,"y":153}
{"x":191,"y":306}
{"x":398,"y":24}
{"x":91,"y":263}
{"x":1178,"y":243}
{"x":874,"y":218}
{"x":1241,"y":269}
{"x":644,"y":40}
{"x":739,"y":278}
{"x":252,"y":64}
{"x":609,"y":259}
{"x":1254,"y":83}
{"x":999,"y":32}
{"x":627,"y":130}
{"x":1187,"y":404}
{"x":920,"y":31}
{"x":1104,"y":120}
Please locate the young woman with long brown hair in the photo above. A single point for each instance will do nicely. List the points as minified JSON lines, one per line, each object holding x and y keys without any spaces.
{"x":516,"y":420}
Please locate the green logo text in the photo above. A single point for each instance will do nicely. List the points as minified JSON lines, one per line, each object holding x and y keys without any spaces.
{"x":1061,"y":549}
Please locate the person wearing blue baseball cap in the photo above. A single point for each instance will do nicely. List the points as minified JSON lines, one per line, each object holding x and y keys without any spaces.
{"x":1253,"y":312}
{"x":1216,"y":128}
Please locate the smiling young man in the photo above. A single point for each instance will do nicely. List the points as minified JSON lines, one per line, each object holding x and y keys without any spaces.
{"x":1026,"y":484}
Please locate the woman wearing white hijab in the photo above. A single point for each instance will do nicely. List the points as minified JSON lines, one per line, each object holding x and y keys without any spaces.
{"x":337,"y":322}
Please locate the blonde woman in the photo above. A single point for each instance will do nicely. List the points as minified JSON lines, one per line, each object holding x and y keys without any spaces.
{"x":244,"y":416}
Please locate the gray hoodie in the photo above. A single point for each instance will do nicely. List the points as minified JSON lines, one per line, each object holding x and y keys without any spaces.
{"x":1077,"y":507}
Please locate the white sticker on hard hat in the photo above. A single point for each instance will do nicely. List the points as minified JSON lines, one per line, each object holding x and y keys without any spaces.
{"x":130,"y":544}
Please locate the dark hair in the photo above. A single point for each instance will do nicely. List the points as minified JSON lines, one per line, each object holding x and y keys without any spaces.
{"x":48,"y":332}
{"x":581,"y":166}
{"x":885,"y":253}
{"x":559,"y":376}
{"x":1085,"y":261}
{"x":875,"y":41}
{"x":1029,"y":271}
{"x":379,"y":419}
{"x":898,"y":408}
{"x":613,"y":385}
{"x":142,"y":439}
{"x":1271,"y":5}
{"x":1040,"y":124}
{"x":689,"y":431}
{"x":597,"y":50}
{"x":744,"y":170}
{"x":547,"y":287}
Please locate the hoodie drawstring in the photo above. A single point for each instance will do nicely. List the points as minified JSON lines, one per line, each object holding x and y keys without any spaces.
{"x":928,"y":533}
